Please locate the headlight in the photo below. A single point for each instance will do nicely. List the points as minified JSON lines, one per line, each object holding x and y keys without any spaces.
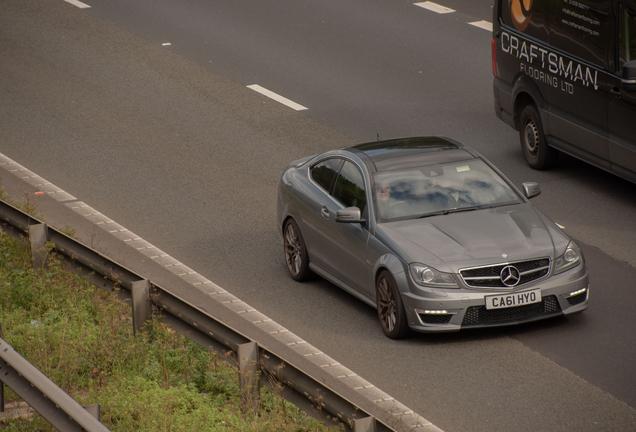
{"x":428,"y":276}
{"x":570,"y":259}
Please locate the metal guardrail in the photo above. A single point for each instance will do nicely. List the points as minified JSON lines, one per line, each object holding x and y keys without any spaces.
{"x":295,"y":385}
{"x":50,"y":401}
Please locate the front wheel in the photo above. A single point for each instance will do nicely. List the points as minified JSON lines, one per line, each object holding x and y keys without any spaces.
{"x":536,"y":150}
{"x":390,"y":307}
{"x":295,"y":252}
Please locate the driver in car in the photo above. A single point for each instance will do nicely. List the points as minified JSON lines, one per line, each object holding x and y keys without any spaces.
{"x":452,"y":187}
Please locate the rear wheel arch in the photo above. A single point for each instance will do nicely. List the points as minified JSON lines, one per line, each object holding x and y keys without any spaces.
{"x":525,"y":92}
{"x":528,"y":106}
{"x":533,"y":140}
{"x":522,"y":100}
{"x":282,"y":227}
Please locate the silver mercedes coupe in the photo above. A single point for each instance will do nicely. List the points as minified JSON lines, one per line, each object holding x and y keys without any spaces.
{"x":431,"y":234}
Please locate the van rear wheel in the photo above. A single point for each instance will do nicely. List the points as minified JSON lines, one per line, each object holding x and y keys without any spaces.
{"x":536,"y":150}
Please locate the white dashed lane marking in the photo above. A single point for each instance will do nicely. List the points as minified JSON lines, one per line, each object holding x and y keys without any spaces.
{"x":278,"y":98}
{"x":437,"y":8}
{"x":78,"y":3}
{"x":434,"y":7}
{"x":482,"y":25}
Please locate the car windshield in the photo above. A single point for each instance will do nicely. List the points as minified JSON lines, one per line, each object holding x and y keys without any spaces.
{"x":440,"y":189}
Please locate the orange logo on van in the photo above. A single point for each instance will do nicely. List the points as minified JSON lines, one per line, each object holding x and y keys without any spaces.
{"x":520,"y":13}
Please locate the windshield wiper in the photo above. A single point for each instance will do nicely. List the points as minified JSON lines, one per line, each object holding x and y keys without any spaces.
{"x":437,"y":213}
{"x":463,"y":209}
{"x":445,"y":212}
{"x":490,"y":206}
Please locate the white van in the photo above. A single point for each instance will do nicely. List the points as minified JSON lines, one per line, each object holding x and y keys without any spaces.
{"x":565,"y":78}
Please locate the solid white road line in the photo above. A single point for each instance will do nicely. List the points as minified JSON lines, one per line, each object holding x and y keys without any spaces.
{"x":482,"y":25}
{"x":434,"y":7}
{"x":78,"y":3}
{"x":276,"y":97}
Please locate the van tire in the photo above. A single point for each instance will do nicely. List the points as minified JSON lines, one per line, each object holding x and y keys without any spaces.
{"x":536,"y":150}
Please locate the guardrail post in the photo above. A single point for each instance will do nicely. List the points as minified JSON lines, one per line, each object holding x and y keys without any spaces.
{"x":248,"y":377}
{"x":38,"y":237}
{"x":366,"y":424}
{"x":141,"y":310}
{"x":95,"y":410}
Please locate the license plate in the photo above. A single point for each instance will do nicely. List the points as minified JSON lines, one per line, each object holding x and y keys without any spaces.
{"x":512,"y":300}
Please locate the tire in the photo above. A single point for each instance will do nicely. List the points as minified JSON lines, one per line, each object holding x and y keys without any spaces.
{"x":390,"y":307}
{"x":295,"y":252}
{"x":536,"y":150}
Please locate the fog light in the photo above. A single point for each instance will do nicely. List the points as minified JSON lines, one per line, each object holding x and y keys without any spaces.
{"x":581,"y":291}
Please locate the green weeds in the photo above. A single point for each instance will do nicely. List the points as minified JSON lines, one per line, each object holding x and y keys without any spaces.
{"x":82,"y":339}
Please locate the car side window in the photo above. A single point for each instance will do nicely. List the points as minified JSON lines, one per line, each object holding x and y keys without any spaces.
{"x":325,"y":172}
{"x":350,"y":190}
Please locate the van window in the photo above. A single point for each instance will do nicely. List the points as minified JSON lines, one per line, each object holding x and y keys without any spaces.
{"x":626,"y":36}
{"x":581,"y":28}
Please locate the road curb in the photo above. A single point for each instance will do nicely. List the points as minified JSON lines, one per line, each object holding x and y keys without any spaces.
{"x":360,"y":392}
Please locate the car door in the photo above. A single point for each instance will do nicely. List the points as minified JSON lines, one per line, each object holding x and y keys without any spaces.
{"x":622,"y":106}
{"x":322,"y":176}
{"x":346,"y":243}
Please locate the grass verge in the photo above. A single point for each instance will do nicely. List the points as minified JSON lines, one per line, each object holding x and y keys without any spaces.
{"x":81,"y":338}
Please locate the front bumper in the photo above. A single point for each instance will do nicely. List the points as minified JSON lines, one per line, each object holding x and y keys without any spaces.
{"x":437,"y":310}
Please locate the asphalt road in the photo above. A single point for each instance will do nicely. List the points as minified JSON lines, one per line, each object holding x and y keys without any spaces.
{"x":169,"y":142}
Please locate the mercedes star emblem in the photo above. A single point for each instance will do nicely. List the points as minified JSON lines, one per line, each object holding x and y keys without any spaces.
{"x":510,"y":276}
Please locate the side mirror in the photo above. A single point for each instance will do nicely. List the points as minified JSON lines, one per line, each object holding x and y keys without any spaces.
{"x":628,"y":83}
{"x":531,"y":189}
{"x":349,"y":215}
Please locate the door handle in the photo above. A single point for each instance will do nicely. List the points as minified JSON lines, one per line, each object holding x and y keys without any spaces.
{"x":324,"y":212}
{"x":616,"y":92}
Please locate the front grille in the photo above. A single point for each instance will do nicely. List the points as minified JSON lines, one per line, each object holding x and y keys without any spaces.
{"x":435,"y":319}
{"x":477,"y":315}
{"x":577,"y":299}
{"x":490,"y":276}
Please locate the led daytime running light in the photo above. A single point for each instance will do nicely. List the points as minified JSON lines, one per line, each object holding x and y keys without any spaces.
{"x":581,"y":291}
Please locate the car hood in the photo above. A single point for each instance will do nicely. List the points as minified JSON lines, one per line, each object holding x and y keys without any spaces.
{"x":480,"y":237}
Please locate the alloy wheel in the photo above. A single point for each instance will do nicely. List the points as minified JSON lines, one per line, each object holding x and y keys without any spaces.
{"x":293,"y":253}
{"x":387,"y":308}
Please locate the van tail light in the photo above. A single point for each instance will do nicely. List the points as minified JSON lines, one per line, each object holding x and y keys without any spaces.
{"x":494,"y":57}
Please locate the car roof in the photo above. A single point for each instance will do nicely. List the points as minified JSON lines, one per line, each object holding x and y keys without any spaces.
{"x":406,"y":153}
